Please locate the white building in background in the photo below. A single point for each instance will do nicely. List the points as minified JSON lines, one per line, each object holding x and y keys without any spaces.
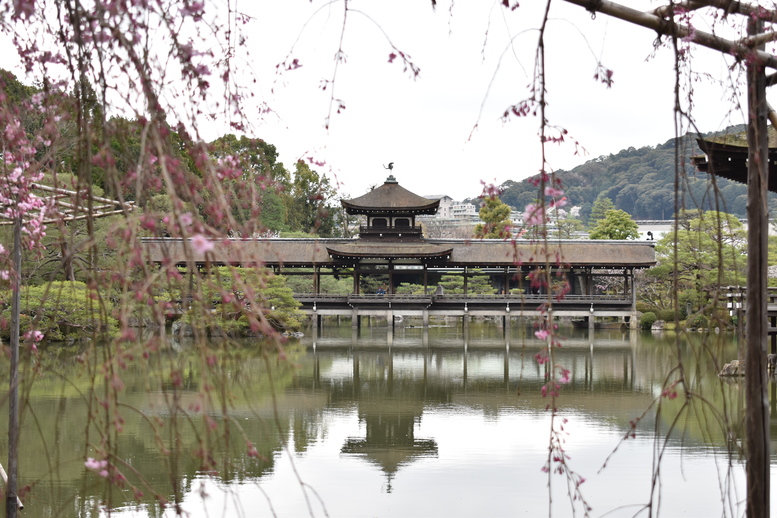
{"x":446,"y":202}
{"x":465,"y":211}
{"x":452,"y":209}
{"x":453,"y":218}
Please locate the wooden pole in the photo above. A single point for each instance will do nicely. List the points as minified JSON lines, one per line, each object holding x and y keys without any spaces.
{"x":756,"y":337}
{"x":13,"y":390}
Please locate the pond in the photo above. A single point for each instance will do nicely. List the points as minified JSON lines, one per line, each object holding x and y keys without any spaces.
{"x":348,"y":426}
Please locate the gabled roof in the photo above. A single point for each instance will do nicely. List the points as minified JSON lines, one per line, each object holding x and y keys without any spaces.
{"x":390,"y":197}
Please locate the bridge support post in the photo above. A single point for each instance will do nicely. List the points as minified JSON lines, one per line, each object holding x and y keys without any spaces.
{"x":390,"y":333}
{"x":507,"y":325}
{"x":355,"y":319}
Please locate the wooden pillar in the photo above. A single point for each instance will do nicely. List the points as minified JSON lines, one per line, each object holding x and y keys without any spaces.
{"x":390,"y":322}
{"x":426,"y":278}
{"x":316,"y":280}
{"x":633,"y":323}
{"x":507,"y":368}
{"x":465,"y":280}
{"x":355,"y":282}
{"x":390,"y":290}
{"x":756,"y":397}
{"x":465,"y":326}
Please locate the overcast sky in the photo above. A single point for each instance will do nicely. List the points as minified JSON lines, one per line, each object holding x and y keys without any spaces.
{"x":469,"y":75}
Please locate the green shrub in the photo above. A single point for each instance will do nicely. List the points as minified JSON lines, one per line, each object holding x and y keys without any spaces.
{"x":407,"y":288}
{"x":697,"y":322}
{"x":61,"y":310}
{"x":644,"y":307}
{"x":647,"y":320}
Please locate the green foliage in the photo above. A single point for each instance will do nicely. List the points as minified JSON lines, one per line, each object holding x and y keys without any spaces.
{"x":476,"y":284}
{"x":496,"y":220}
{"x":407,"y":288}
{"x":616,"y":224}
{"x":373,"y":283}
{"x":569,"y":227}
{"x":709,"y":252}
{"x":61,"y":310}
{"x":253,"y":293}
{"x":641,"y":182}
{"x":255,"y":196}
{"x":327,"y":284}
{"x":665,"y":314}
{"x":309,"y":204}
{"x":697,"y":321}
{"x":647,"y":320}
{"x":599,"y":210}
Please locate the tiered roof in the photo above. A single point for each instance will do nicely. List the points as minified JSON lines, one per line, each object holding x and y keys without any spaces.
{"x":390,"y":197}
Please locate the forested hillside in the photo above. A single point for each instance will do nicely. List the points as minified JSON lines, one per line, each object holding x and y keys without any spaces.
{"x":642,"y":183}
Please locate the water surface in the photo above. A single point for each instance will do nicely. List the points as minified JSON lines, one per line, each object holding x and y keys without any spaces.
{"x":349,"y":426}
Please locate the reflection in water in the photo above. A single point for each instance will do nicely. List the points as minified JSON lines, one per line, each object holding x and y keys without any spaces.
{"x":351,"y":427}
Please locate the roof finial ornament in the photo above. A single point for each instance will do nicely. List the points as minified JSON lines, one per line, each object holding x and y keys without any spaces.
{"x":390,"y":167}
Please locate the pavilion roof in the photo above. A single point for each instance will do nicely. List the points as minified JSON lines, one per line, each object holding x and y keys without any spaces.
{"x":373,"y":249}
{"x":726,"y":157}
{"x":390,"y":197}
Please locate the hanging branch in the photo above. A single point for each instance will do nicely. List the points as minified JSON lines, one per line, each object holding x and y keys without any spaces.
{"x":667,"y":27}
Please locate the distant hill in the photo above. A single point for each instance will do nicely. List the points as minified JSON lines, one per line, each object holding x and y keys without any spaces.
{"x":642,"y":182}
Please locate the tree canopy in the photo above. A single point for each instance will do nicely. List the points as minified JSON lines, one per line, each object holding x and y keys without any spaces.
{"x":616,"y":224}
{"x":495,"y":215}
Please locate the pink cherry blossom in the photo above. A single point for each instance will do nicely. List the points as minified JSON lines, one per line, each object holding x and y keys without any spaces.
{"x":201,"y":244}
{"x":534,"y":214}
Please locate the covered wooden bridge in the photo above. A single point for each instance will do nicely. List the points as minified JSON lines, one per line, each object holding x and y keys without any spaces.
{"x":391,"y":250}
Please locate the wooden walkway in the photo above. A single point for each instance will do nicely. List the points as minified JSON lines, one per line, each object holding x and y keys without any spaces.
{"x":506,"y":307}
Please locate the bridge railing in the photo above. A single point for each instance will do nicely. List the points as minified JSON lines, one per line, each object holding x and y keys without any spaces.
{"x":323,"y":297}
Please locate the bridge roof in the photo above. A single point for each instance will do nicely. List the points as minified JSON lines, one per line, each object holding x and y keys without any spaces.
{"x":311,"y":252}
